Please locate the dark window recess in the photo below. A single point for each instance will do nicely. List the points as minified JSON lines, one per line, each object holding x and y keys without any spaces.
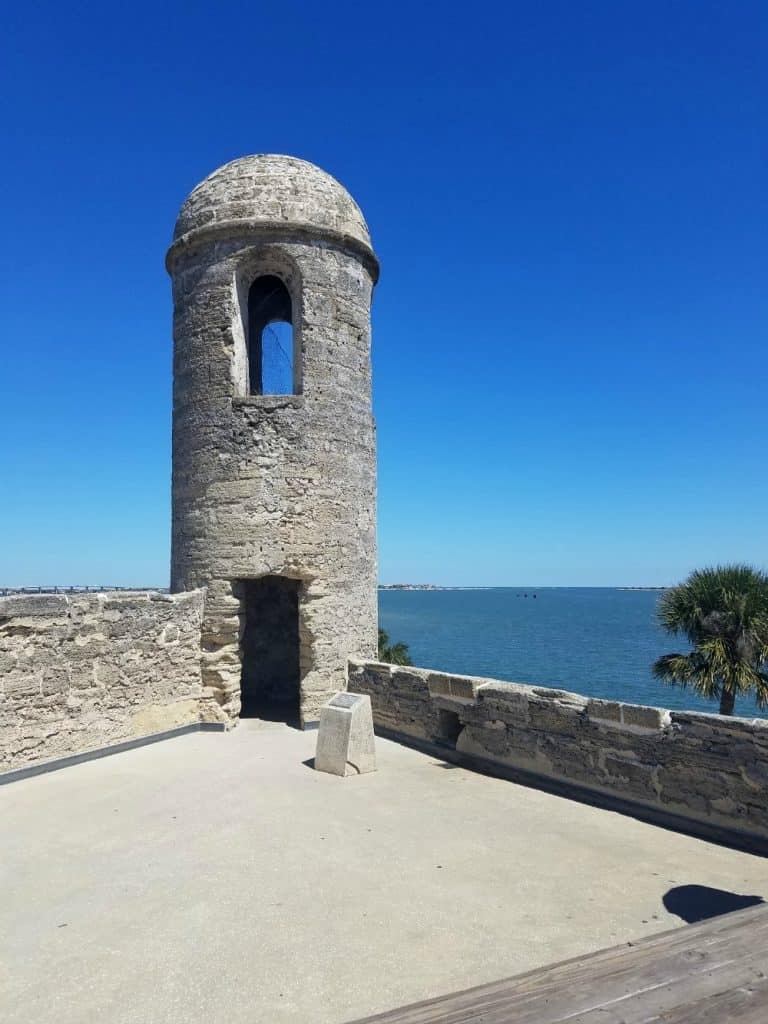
{"x":449,"y":726}
{"x":271,"y":369}
{"x":271,"y":674}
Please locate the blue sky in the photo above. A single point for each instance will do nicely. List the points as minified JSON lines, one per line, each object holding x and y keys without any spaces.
{"x":569,"y":204}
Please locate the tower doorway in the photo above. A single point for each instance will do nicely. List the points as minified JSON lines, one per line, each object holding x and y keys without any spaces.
{"x":271,"y":673}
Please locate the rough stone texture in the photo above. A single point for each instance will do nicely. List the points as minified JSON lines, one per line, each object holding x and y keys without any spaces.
{"x":82,"y":672}
{"x":275,"y":485}
{"x":704,"y":768}
{"x":345,"y":740}
{"x":272,"y":190}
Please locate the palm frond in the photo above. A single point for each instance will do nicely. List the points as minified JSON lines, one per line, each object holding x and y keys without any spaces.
{"x":393,"y":654}
{"x":688,"y":670}
{"x":723,"y":612}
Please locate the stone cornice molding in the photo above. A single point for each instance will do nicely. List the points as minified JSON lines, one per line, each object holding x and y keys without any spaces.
{"x":269,"y":231}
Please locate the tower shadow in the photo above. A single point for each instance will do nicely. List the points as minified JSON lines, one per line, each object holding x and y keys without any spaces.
{"x":700,"y":902}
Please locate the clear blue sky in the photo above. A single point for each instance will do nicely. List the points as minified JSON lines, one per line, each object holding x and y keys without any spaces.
{"x":569,"y":204}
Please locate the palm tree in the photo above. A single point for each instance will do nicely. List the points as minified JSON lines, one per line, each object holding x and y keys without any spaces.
{"x":724,"y":614}
{"x":395,"y":654}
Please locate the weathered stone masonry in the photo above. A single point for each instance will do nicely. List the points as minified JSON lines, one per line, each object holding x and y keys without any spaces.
{"x":275,"y":485}
{"x":88,"y":671}
{"x":701,"y":769}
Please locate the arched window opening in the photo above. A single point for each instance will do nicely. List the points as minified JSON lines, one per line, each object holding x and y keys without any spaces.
{"x":271,"y":357}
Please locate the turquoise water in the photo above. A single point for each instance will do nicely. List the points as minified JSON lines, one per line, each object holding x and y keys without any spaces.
{"x":596,"y":641}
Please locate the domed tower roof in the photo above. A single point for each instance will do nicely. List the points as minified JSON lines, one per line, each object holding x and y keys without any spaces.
{"x":267,"y":194}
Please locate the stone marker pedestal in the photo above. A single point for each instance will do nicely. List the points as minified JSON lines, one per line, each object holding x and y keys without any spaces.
{"x":345,"y":742}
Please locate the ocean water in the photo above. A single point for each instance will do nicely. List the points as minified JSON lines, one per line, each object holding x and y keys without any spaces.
{"x":596,"y":641}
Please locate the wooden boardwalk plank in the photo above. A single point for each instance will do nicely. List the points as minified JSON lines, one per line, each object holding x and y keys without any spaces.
{"x":659,"y":979}
{"x":746,"y":1005}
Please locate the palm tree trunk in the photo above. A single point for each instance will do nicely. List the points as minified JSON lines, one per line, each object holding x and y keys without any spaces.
{"x":727,"y":702}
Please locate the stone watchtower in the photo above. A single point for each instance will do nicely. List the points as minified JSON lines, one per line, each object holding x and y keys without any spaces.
{"x":274,"y":452}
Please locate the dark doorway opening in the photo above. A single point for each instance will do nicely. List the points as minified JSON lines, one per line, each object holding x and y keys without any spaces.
{"x":271,"y":673}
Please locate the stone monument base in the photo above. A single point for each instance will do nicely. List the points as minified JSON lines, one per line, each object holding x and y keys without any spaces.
{"x":345,"y":741}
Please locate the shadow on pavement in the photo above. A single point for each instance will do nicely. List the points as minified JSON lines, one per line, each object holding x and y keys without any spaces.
{"x":699,"y":902}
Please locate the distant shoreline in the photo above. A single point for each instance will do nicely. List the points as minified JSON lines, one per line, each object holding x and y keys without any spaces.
{"x":642,"y":588}
{"x":428,"y":586}
{"x":434,"y":586}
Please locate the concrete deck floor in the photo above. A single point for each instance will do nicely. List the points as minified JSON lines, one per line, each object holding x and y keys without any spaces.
{"x":216,"y":878}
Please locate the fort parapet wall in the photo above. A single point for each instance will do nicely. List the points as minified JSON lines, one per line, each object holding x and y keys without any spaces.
{"x":700,"y":773}
{"x":80,"y":673}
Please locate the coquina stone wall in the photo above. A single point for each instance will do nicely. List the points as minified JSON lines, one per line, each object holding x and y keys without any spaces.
{"x":679,"y":767}
{"x":275,"y":485}
{"x":82,"y":672}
